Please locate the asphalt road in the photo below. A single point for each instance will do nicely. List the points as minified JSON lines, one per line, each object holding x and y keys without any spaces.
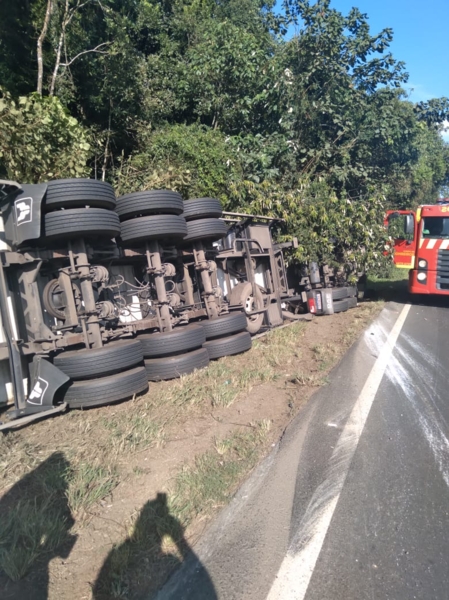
{"x":354,"y":501}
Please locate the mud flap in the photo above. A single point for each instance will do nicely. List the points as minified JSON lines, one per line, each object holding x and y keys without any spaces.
{"x":22,"y":212}
{"x":45,"y":380}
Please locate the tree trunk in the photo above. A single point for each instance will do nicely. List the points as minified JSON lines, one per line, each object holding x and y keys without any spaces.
{"x":57,"y":63}
{"x":40,"y":40}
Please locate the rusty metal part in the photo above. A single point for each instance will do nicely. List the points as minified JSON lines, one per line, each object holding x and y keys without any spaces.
{"x":100,"y":274}
{"x":208,"y":294}
{"x":54,"y":299}
{"x":156,"y":269}
{"x":90,"y":320}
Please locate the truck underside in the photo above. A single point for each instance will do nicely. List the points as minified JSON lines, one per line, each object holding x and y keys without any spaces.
{"x":100,"y":295}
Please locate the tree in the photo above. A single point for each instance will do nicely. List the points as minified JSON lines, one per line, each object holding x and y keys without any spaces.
{"x":39,"y":140}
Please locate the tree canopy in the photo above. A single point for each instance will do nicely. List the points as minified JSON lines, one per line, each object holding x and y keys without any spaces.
{"x":214,"y":97}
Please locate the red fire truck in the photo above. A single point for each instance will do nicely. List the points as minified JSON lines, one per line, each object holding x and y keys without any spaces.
{"x":423,"y":246}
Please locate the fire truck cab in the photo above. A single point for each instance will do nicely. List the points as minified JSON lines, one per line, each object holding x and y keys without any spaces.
{"x":424,"y":246}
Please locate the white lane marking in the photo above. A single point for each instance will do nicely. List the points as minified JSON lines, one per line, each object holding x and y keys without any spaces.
{"x":431,"y":243}
{"x":297,"y":568}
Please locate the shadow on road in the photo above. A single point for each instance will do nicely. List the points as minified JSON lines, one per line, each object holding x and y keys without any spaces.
{"x":140,"y":564}
{"x":35,"y":524}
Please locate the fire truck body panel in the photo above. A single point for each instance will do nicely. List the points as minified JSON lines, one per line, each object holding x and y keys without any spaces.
{"x":404,"y":247}
{"x":430,"y":246}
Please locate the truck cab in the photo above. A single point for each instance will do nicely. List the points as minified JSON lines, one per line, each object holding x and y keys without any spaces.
{"x":424,"y":247}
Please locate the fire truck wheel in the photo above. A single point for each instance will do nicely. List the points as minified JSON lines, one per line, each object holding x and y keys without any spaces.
{"x":205,"y":229}
{"x":341,"y":305}
{"x":234,"y":344}
{"x":81,"y":222}
{"x":78,"y":193}
{"x":224,"y":325}
{"x":105,"y":390}
{"x":155,"y":227}
{"x":202,"y":208}
{"x":242,"y":294}
{"x":152,"y":202}
{"x":343,"y":292}
{"x":171,"y":367}
{"x":177,"y":341}
{"x":97,"y":362}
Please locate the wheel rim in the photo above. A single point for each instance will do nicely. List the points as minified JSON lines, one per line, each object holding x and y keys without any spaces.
{"x":250,"y":306}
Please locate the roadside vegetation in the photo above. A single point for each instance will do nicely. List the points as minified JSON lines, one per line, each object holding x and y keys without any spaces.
{"x":389,"y":285}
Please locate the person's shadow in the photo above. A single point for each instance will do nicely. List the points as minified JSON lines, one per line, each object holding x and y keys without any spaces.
{"x":35,"y":524}
{"x":143,"y":561}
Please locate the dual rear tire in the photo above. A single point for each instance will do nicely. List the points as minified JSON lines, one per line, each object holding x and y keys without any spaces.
{"x":76,"y":208}
{"x":226,"y":335}
{"x":104,"y":375}
{"x":150,"y":216}
{"x":174,"y":353}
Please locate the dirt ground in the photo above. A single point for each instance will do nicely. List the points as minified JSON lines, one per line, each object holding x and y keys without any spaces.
{"x":141,"y":471}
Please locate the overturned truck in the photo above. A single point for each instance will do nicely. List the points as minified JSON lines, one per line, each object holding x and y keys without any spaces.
{"x":99,"y":295}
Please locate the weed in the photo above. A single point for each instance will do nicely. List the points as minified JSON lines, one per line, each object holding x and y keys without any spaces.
{"x":89,"y":484}
{"x":131,"y":432}
{"x":212,"y":479}
{"x":36,"y":519}
{"x":325,"y":354}
{"x":16,"y":459}
{"x":393,"y":287}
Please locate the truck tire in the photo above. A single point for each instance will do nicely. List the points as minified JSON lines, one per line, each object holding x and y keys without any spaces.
{"x":242,"y":294}
{"x":234,"y":344}
{"x":205,"y":229}
{"x":343,"y":292}
{"x":152,"y":202}
{"x":341,"y":305}
{"x":155,"y":227}
{"x":224,"y":325}
{"x":98,"y":362}
{"x":202,"y":208}
{"x":105,"y":390}
{"x":81,"y":222}
{"x":171,"y":367}
{"x":352,"y":302}
{"x":177,"y":341}
{"x":78,"y":193}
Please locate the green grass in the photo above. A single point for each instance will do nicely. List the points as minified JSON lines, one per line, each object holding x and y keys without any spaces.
{"x":88,"y":484}
{"x":38,"y":513}
{"x":212,"y":479}
{"x":130,"y":432}
{"x":36,"y":518}
{"x":393,"y":287}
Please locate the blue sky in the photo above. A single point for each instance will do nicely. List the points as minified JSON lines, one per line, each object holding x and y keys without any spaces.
{"x":420,"y":40}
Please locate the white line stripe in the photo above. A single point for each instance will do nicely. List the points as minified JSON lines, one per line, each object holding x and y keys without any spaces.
{"x":297,"y":568}
{"x":444,"y":245}
{"x":421,"y":242}
{"x":431,"y":243}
